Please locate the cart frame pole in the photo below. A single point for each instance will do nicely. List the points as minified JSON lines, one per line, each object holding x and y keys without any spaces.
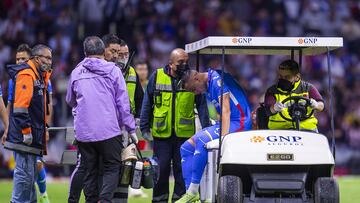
{"x":300,"y":59}
{"x":221,"y":105}
{"x":331,"y":104}
{"x":197,"y":61}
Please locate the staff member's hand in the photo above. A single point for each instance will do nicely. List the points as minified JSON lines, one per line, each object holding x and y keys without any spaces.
{"x":47,"y":136}
{"x":278,"y":107}
{"x":27,"y":138}
{"x":134,"y":138}
{"x":314,"y":104}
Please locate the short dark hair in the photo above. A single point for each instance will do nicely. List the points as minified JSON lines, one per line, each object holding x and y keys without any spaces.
{"x":24,"y":48}
{"x":93,"y":45}
{"x":35,"y":51}
{"x":110,"y":39}
{"x":141,"y":61}
{"x":122,"y":43}
{"x":290,"y":65}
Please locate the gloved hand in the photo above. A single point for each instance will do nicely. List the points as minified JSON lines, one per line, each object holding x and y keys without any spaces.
{"x":137,"y":122}
{"x":134,"y":138}
{"x":27,"y":138}
{"x":314,"y":104}
{"x":125,"y":138}
{"x":137,"y":126}
{"x":147,"y":136}
{"x":278,"y":107}
{"x":47,"y":136}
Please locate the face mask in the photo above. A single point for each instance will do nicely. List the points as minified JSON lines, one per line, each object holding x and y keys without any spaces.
{"x":122,"y":63}
{"x":45,"y":67}
{"x":285,"y":85}
{"x":181,"y":69}
{"x":125,"y":61}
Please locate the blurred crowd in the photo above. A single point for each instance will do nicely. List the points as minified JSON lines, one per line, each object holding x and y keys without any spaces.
{"x":152,"y":28}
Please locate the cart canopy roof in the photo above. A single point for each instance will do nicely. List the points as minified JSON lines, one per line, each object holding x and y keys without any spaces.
{"x":264,"y":45}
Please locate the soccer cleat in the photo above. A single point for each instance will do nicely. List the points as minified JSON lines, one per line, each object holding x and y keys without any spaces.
{"x":189,"y":198}
{"x":44,"y":199}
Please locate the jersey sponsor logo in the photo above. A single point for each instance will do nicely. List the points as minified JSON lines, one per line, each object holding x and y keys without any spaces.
{"x":307,"y":41}
{"x":242,"y":40}
{"x":278,"y":140}
{"x":218,"y":82}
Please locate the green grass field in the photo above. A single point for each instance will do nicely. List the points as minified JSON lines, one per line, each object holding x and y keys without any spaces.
{"x":349,"y":191}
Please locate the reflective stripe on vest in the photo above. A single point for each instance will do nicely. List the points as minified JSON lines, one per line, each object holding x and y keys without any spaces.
{"x":131,"y":86}
{"x":163,"y":87}
{"x":21,"y":110}
{"x":277,"y":122}
{"x":23,"y":148}
{"x":167,"y":115}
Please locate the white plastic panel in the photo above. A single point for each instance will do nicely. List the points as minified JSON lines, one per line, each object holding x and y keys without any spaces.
{"x":264,"y":45}
{"x":253,"y":147}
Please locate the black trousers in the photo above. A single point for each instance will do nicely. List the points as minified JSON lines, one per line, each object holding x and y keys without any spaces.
{"x":77,"y":180}
{"x":168,"y":153}
{"x":121,"y":194}
{"x":110,"y":152}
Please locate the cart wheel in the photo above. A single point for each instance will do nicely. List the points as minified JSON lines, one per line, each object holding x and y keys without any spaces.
{"x":229,"y":190}
{"x":326,"y":190}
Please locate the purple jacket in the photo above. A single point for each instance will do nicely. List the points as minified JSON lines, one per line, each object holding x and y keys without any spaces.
{"x":98,"y":95}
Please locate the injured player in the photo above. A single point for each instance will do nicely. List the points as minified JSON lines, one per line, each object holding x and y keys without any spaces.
{"x":236,"y":116}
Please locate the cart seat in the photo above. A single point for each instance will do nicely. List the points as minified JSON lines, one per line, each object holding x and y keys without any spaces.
{"x":262,"y":118}
{"x":213,"y":145}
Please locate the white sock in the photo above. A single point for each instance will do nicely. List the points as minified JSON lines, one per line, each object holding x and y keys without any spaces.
{"x":193,"y":188}
{"x":42,"y":194}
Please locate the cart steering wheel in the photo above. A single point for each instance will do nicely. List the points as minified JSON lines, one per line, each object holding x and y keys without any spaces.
{"x":298,"y":108}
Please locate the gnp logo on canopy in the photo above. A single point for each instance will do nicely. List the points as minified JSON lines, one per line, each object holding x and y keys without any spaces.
{"x":307,"y":41}
{"x":278,"y":140}
{"x":242,"y":40}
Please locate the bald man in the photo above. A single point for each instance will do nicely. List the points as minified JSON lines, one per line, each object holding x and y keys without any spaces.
{"x":167,"y":116}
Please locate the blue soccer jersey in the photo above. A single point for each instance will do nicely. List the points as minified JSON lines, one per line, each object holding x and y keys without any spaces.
{"x":239,"y":106}
{"x":11,"y":87}
{"x":0,"y":91}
